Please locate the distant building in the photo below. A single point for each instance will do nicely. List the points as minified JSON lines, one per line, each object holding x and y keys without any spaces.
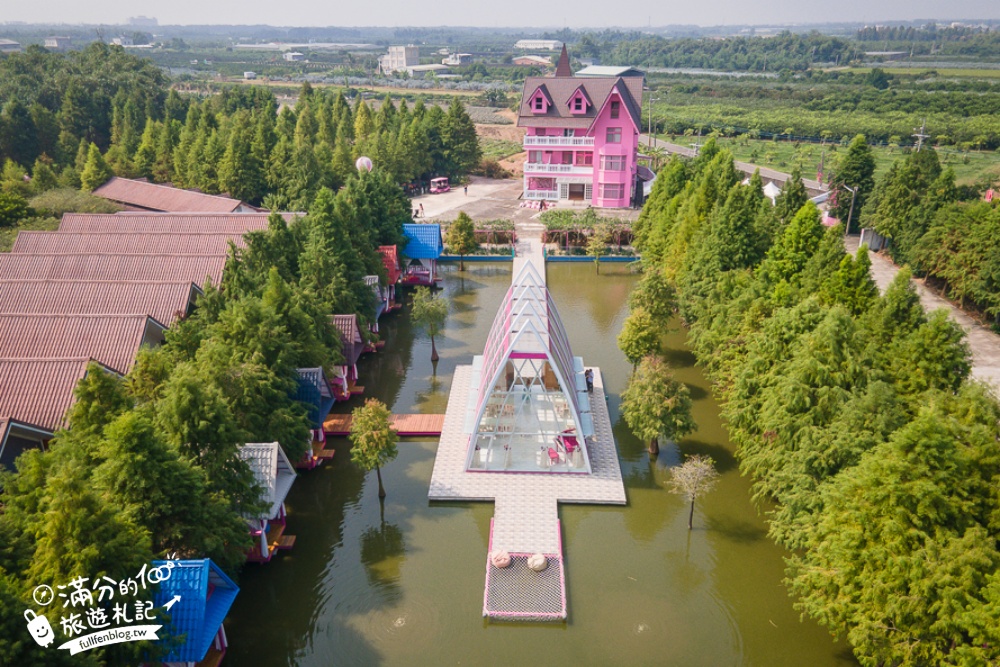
{"x":538,"y":44}
{"x":123,"y":40}
{"x":144,"y":21}
{"x":399,"y":59}
{"x":9,"y":46}
{"x":420,"y":71}
{"x":58,"y":43}
{"x":582,"y":137}
{"x":610,"y":71}
{"x":137,"y":195}
{"x":532,"y":61}
{"x":293,"y":56}
{"x":249,"y":76}
{"x":456,"y":59}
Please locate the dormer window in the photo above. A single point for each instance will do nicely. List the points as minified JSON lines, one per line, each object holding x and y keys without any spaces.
{"x":579,"y":102}
{"x":616,"y":108}
{"x":539,"y":104}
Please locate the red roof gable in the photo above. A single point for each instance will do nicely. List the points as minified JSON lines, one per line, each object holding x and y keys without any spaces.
{"x":119,"y":243}
{"x":163,"y":301}
{"x":210,"y":223}
{"x":153,"y":197}
{"x":113,"y":340}
{"x":69,"y":266}
{"x":39,"y":391}
{"x":390,"y":259}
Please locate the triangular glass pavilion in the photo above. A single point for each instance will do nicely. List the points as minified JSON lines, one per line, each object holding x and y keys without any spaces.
{"x":528,"y":408}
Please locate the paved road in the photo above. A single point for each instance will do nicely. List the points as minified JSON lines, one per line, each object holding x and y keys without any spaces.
{"x":983,"y":343}
{"x":814,"y":187}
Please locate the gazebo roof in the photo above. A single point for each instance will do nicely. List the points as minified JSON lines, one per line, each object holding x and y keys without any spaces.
{"x":272,"y":471}
{"x":206,"y":594}
{"x":425,"y":240}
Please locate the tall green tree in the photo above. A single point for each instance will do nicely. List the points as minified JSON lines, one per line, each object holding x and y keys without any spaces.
{"x":96,"y":171}
{"x":429,"y":313}
{"x":857,"y":171}
{"x":656,"y":405}
{"x":373,"y":440}
{"x":461,"y":238}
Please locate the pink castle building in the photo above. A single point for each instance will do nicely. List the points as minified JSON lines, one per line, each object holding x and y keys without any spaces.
{"x":582,"y":137}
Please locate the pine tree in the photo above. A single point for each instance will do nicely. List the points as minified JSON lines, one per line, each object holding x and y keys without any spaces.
{"x":793,"y":197}
{"x":363,"y":124}
{"x":857,"y":171}
{"x":96,"y":171}
{"x":655,"y":404}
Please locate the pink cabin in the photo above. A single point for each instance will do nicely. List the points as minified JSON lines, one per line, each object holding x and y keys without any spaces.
{"x":582,"y":137}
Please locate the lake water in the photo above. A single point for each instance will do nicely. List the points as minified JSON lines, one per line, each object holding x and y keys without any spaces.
{"x":405,"y":586}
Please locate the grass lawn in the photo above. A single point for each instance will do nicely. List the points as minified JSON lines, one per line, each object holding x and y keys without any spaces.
{"x":970,"y":72}
{"x":784,"y":155}
{"x":498,"y":149}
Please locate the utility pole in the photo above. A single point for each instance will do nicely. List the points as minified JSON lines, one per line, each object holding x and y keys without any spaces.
{"x":921,"y":134}
{"x":649,"y":134}
{"x":853,"y":191}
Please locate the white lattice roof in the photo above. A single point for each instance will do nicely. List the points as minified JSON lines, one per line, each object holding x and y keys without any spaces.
{"x":272,"y":471}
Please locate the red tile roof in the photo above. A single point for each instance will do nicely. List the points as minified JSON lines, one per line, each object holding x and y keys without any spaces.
{"x":153,"y":197}
{"x":390,"y":259}
{"x":113,"y":340}
{"x":350,"y":336}
{"x":212,"y":223}
{"x":163,"y":301}
{"x":118,"y":243}
{"x":562,"y":89}
{"x":39,"y":391}
{"x":69,"y":266}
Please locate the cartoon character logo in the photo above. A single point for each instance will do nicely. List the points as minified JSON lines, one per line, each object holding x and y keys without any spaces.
{"x":39,"y":628}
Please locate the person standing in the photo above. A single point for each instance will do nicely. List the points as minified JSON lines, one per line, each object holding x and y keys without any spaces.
{"x":465,"y":190}
{"x":589,"y":375}
{"x":422,"y":214}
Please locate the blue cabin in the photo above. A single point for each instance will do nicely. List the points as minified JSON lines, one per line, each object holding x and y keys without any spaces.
{"x":205,"y":595}
{"x":423,"y":249}
{"x":315,"y":392}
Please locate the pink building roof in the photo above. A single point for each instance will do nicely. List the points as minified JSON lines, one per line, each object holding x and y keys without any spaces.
{"x":211,"y":223}
{"x":112,"y":340}
{"x":152,"y":197}
{"x":163,"y":301}
{"x":69,"y":266}
{"x":562,"y":89}
{"x":125,"y":243}
{"x":39,"y":391}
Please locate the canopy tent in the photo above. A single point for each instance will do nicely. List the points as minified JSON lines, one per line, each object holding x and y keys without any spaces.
{"x":204,"y":595}
{"x":529,"y":399}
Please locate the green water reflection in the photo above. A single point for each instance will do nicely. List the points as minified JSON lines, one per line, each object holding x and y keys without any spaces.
{"x":405,"y":587}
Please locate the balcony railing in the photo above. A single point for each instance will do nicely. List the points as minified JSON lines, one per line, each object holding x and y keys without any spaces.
{"x":541,"y":194}
{"x":542,"y":167}
{"x":558,"y":141}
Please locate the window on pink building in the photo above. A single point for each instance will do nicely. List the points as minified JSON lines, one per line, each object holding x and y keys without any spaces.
{"x":614,"y":135}
{"x":578,"y":104}
{"x":584,"y":159}
{"x":567,"y":157}
{"x":569,"y":133}
{"x":539,"y":103}
{"x":616,"y":108}
{"x":613,"y":163}
{"x":534,"y":156}
{"x":612,"y":190}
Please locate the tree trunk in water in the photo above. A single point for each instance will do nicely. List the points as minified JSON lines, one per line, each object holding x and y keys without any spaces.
{"x":654,"y":447}
{"x":381,"y":489}
{"x":434,"y":352}
{"x":461,"y":262}
{"x":691,"y":517}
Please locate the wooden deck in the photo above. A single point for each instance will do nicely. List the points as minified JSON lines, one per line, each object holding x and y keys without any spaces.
{"x":405,"y":425}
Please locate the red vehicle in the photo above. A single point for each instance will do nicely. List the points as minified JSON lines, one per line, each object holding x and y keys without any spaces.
{"x":439,"y":185}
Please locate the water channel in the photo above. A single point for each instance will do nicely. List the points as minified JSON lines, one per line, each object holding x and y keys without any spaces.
{"x":406,"y":587}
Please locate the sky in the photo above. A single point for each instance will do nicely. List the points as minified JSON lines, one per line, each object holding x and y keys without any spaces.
{"x":553,"y":13}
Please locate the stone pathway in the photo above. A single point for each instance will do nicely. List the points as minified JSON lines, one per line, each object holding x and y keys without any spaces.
{"x":983,"y":343}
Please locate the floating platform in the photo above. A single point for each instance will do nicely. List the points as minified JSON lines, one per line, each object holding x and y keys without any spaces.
{"x":518,"y":593}
{"x":405,"y":425}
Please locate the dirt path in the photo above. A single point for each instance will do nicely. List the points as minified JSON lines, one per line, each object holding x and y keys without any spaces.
{"x":983,"y":343}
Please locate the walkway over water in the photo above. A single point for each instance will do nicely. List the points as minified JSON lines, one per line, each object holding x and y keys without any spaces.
{"x":527,"y":494}
{"x":406,"y":425}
